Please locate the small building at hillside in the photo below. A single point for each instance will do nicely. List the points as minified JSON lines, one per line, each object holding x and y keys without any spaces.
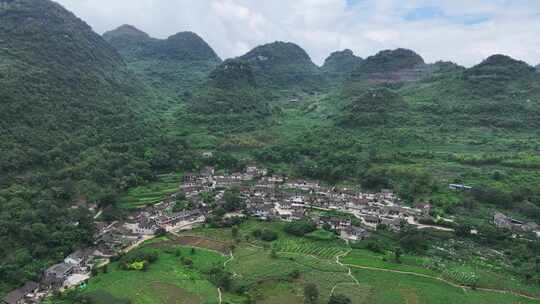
{"x":353,"y":234}
{"x":21,"y":295}
{"x":459,"y":187}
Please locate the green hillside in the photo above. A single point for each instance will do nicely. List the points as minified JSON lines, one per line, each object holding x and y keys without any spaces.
{"x":174,"y":66}
{"x":231,"y":101}
{"x":74,"y":127}
{"x":339,"y":65}
{"x":389,"y":67}
{"x":284,"y":66}
{"x":498,"y":93}
{"x":61,"y":86}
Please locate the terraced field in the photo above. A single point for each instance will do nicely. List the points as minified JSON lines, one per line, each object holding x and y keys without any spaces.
{"x":151,"y":193}
{"x":308,"y":248}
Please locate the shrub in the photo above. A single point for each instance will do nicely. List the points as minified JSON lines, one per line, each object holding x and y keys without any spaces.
{"x":339,"y":299}
{"x":300,"y":228}
{"x":265,"y":235}
{"x":375,"y":246}
{"x":138,"y":260}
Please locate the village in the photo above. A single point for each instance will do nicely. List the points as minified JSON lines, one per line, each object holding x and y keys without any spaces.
{"x":353,"y":215}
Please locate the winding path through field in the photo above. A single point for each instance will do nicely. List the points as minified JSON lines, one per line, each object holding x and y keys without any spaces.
{"x":227,"y":262}
{"x":465,"y":288}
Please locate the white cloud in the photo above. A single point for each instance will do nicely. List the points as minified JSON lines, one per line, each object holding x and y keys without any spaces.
{"x":464,"y":31}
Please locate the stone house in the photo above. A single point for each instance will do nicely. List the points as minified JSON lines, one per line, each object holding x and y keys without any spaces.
{"x":354,"y":234}
{"x":22,"y":295}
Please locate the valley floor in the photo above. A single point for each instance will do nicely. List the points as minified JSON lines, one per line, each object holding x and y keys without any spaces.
{"x":276,"y":272}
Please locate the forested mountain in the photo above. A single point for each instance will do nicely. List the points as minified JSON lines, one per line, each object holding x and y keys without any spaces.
{"x":499,"y":92}
{"x":59,"y":81}
{"x":72,"y":123}
{"x":232,"y":99}
{"x":339,"y":65}
{"x":284,"y":66}
{"x":538,"y":67}
{"x":175,"y":65}
{"x":390,"y":67}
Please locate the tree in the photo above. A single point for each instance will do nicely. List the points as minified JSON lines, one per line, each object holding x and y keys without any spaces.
{"x":300,"y":228}
{"x":311,"y":294}
{"x":295,"y":274}
{"x":273,"y":253}
{"x":339,"y":299}
{"x":397,"y":254}
{"x":232,"y":200}
{"x":234,"y":232}
{"x":463,"y":230}
{"x":187,"y":261}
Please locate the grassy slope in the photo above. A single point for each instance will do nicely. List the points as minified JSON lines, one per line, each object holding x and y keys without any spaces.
{"x":167,"y":280}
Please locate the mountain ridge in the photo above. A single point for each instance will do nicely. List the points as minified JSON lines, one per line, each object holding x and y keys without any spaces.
{"x":340,"y":64}
{"x":176,"y":65}
{"x":284,"y":65}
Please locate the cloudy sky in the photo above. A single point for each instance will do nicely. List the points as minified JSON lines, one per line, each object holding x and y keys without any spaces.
{"x":463,"y":31}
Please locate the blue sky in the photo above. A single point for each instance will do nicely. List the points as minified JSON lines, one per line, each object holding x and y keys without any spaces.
{"x":434,"y":13}
{"x":463,"y":31}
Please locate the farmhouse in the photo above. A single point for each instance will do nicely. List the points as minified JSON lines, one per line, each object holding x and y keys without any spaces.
{"x":392,"y":223}
{"x":262,"y":211}
{"x":334,"y":223}
{"x":22,"y":295}
{"x":255,"y":171}
{"x":277,"y":179}
{"x":79,"y":258}
{"x":144,"y":226}
{"x":371,"y":219}
{"x":56,"y":275}
{"x":423,"y":208}
{"x":459,"y":187}
{"x":354,"y":234}
{"x":303,"y":185}
{"x":502,"y":221}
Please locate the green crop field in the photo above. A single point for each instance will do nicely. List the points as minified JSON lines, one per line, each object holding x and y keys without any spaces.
{"x":308,"y":248}
{"x":152,"y":192}
{"x":394,"y":288}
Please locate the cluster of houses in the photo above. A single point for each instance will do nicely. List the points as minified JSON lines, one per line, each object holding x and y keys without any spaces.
{"x":74,"y":270}
{"x":277,"y":197}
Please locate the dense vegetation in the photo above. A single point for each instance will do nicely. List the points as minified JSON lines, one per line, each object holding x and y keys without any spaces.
{"x":339,"y":66}
{"x":74,"y":128}
{"x":174,"y":66}
{"x":390,"y":60}
{"x":284,"y":65}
